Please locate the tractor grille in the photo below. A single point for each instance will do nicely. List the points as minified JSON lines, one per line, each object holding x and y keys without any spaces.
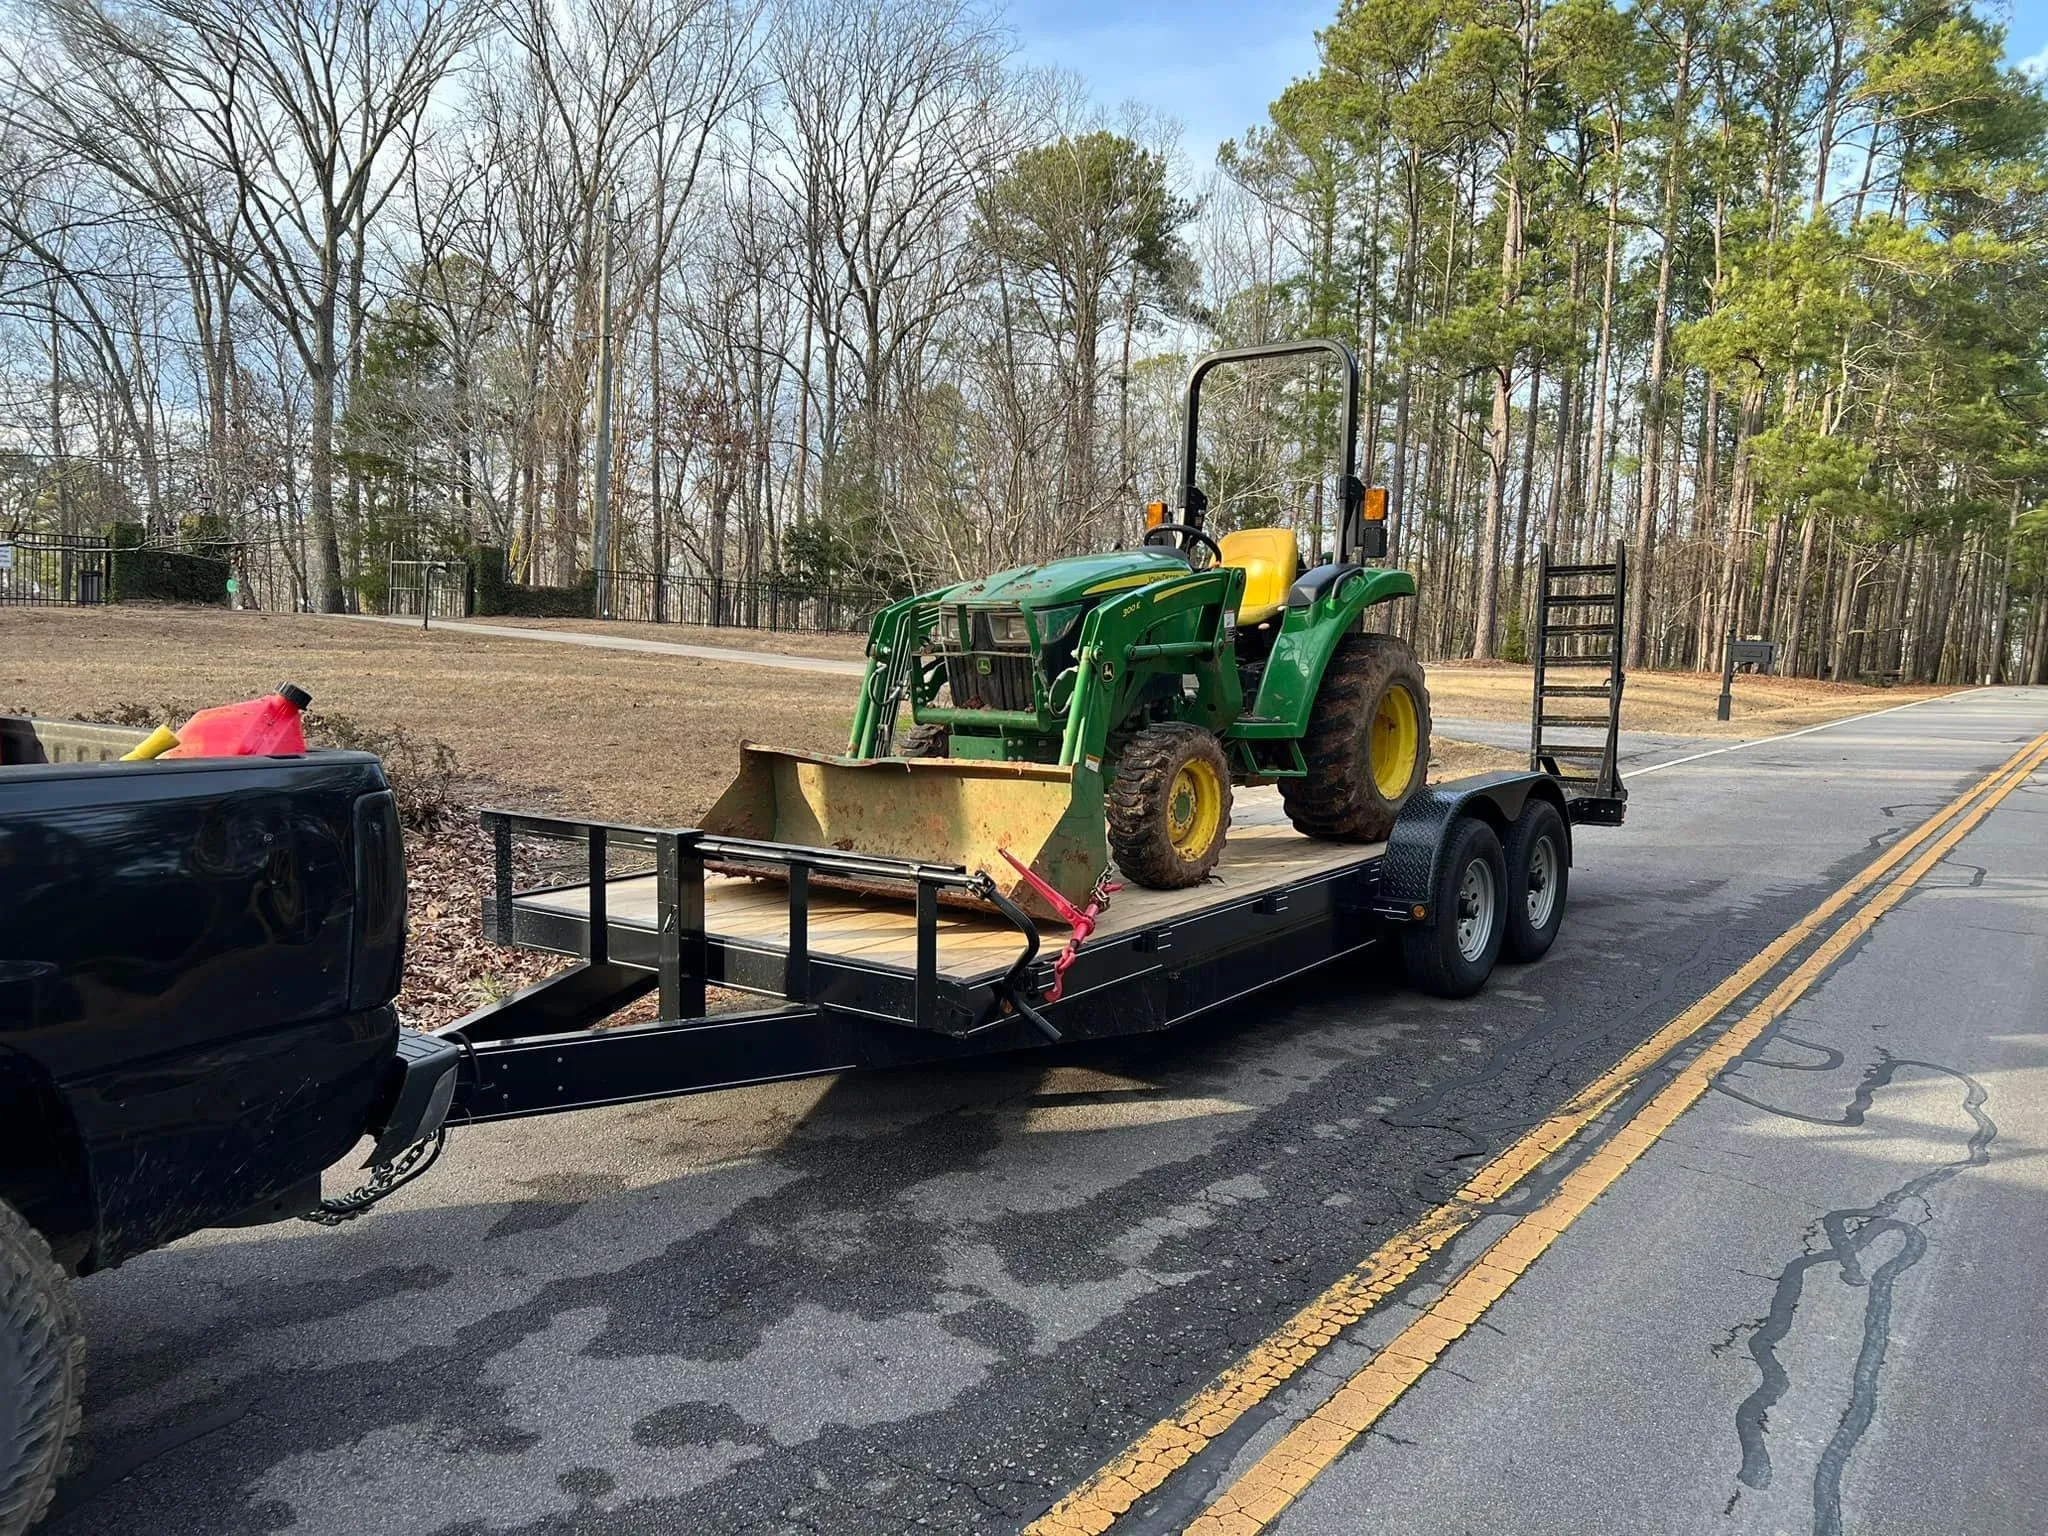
{"x":989,"y":679}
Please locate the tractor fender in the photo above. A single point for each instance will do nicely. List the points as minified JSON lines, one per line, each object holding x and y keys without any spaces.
{"x":1322,"y":606}
{"x":1409,"y":868}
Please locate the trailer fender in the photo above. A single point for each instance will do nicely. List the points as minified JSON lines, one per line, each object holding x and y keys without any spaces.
{"x":1415,"y":849}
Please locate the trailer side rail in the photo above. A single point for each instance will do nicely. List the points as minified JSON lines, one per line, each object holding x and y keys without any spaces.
{"x":548,"y":1048}
{"x":680,"y":964}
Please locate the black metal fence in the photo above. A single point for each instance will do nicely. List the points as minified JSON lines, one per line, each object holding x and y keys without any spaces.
{"x":54,"y":570}
{"x":639,"y":597}
{"x":768,"y":605}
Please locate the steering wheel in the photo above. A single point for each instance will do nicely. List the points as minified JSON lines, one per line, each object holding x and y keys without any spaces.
{"x":1191,"y":534}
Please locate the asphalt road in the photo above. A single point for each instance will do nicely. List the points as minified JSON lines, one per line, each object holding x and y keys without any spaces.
{"x":938,"y":1300}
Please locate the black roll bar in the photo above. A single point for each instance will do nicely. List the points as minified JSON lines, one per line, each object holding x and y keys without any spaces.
{"x":1352,"y":544}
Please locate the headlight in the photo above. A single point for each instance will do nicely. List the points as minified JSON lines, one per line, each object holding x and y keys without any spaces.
{"x":1055,"y":624}
{"x":1006,"y":626}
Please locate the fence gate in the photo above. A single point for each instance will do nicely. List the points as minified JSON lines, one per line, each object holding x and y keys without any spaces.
{"x":444,"y":585}
{"x":53,"y":570}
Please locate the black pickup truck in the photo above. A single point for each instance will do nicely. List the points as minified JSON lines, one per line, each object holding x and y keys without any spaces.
{"x":197,"y":966}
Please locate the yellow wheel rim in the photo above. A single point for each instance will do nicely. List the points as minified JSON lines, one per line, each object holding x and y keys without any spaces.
{"x":1396,"y":738}
{"x":1194,"y":809}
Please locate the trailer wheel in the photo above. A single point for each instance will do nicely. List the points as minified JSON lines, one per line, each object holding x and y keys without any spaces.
{"x":1451,"y":952}
{"x":1539,"y":876}
{"x":42,"y":1371}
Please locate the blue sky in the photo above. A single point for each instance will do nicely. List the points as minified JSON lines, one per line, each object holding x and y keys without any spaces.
{"x":1212,"y":65}
{"x":2026,"y":38}
{"x":1215,"y":65}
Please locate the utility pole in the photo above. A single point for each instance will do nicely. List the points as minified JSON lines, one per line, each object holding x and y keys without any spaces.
{"x":601,"y":522}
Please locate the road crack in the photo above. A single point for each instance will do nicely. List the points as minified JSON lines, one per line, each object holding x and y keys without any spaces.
{"x":1850,"y":1235}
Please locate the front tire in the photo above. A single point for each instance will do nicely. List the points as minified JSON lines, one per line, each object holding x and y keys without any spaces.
{"x":1367,"y":745}
{"x":1452,"y":951}
{"x":1168,"y":807}
{"x":42,"y":1371}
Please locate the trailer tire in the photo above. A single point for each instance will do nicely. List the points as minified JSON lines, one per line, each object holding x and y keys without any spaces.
{"x":1367,"y":743}
{"x":1539,"y":878}
{"x":924,"y":741}
{"x":1452,"y":951}
{"x":42,"y":1371}
{"x":1168,"y":808}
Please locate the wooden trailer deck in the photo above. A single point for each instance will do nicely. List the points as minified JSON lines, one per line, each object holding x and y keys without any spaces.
{"x":872,"y":931}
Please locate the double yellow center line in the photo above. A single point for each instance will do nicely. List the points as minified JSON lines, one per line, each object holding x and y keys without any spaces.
{"x":1281,"y":1475}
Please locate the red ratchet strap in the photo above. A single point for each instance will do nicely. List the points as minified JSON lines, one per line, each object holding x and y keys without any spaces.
{"x":1080,"y":919}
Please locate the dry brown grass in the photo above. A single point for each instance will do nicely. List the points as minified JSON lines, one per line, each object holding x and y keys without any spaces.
{"x":616,"y":733}
{"x":649,"y":737}
{"x":1681,"y":703}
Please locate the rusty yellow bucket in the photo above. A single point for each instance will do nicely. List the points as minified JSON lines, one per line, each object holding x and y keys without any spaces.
{"x":938,"y":809}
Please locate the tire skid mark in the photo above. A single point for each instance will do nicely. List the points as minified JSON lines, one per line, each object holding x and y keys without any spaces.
{"x":1850,"y":1234}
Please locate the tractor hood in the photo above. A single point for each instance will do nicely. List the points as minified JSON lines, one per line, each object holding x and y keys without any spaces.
{"x":1070,"y":581}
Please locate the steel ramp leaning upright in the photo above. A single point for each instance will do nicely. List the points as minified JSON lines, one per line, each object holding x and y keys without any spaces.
{"x":1592,"y":598}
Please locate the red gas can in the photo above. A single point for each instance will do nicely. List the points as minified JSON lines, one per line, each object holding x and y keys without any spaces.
{"x":265,"y":727}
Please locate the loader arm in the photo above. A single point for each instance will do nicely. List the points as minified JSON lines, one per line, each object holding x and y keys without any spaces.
{"x":1171,"y":628}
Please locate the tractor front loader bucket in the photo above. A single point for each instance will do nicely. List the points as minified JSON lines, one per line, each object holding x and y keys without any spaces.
{"x":939,"y":810}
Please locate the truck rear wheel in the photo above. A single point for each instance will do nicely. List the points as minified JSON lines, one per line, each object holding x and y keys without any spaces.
{"x":1452,"y":950}
{"x":1367,"y":746}
{"x":42,"y":1371}
{"x":1168,"y":807}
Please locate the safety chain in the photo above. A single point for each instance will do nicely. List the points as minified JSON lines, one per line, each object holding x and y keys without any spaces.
{"x":385,"y":1179}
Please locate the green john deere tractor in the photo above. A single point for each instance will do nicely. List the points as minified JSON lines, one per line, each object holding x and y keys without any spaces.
{"x":1105,"y":705}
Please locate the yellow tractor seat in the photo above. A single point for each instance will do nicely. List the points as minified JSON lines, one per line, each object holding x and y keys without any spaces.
{"x":1270,"y":563}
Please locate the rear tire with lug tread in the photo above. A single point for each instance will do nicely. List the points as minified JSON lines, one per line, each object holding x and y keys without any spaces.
{"x":1168,"y":808}
{"x":1367,"y":744}
{"x":42,"y":1371}
{"x":1451,"y":952}
{"x":1539,"y":877}
{"x":924,"y":741}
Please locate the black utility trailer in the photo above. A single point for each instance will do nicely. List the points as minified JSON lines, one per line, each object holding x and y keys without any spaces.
{"x":892,"y":973}
{"x":870,"y":961}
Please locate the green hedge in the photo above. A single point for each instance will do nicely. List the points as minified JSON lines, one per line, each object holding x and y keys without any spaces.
{"x":496,"y":595}
{"x":161,"y":576}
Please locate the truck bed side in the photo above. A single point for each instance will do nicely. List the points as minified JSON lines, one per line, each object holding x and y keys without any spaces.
{"x":197,"y":961}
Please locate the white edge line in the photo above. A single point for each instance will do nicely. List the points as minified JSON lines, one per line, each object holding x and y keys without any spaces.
{"x":1825,"y":725}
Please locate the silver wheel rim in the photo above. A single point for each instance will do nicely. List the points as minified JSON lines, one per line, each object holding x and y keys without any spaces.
{"x":1542,"y":882}
{"x":1476,"y":906}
